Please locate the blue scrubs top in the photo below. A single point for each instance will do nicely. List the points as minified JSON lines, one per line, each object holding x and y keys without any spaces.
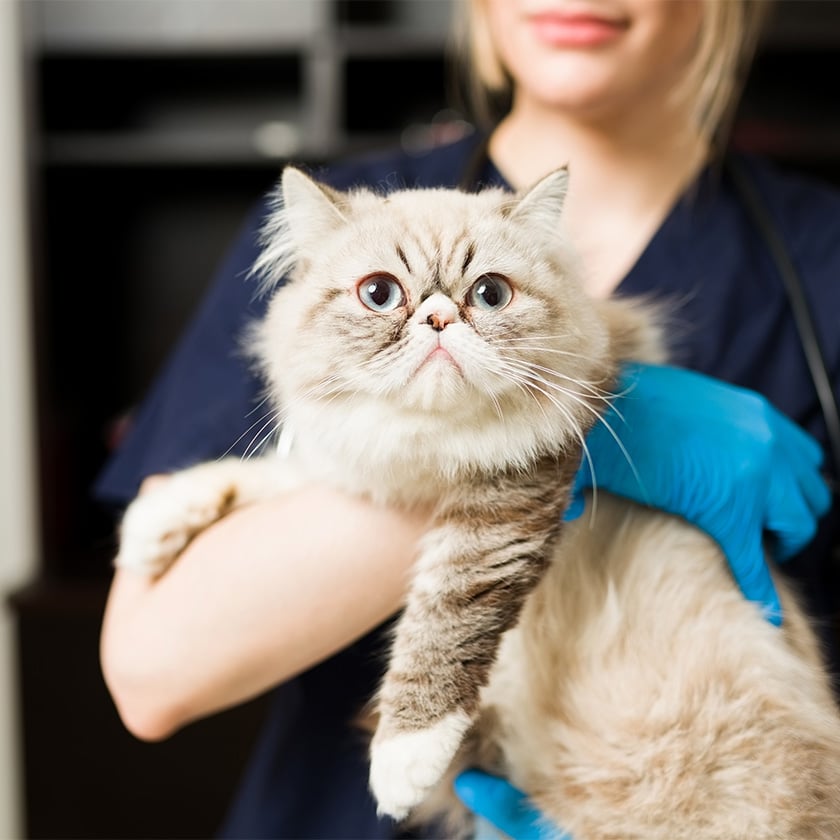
{"x":308,"y":777}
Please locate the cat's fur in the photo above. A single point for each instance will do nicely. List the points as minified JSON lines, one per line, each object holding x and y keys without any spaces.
{"x":608,"y":666}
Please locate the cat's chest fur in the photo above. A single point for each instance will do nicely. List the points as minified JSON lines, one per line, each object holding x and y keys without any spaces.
{"x":411,"y":458}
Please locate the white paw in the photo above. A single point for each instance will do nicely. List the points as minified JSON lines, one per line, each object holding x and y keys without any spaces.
{"x":158,"y":525}
{"x":405,"y":767}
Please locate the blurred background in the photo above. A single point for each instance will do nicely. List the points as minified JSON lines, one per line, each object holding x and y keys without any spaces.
{"x":134,"y":136}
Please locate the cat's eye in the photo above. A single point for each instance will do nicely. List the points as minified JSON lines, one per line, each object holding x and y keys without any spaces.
{"x":490,"y":292}
{"x":381,"y":293}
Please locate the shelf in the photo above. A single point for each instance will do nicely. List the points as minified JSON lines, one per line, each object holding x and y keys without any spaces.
{"x":182,"y":26}
{"x":251,"y":131}
{"x":372,"y":42}
{"x":175,"y":111}
{"x":270,"y":142}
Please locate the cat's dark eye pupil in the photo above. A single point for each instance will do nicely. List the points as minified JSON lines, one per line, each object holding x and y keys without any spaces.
{"x":490,"y":293}
{"x":380,"y":292}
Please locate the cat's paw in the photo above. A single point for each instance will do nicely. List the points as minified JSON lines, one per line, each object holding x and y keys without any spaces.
{"x":406,"y":766}
{"x":158,"y":525}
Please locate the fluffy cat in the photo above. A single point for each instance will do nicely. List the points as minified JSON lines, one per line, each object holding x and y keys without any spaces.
{"x":435,"y":348}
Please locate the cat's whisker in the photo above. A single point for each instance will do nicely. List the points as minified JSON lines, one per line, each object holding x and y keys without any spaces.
{"x":536,"y":349}
{"x":321,"y":389}
{"x":260,"y":404}
{"x":276,"y":418}
{"x":533,"y":378}
{"x":592,"y":391}
{"x":534,"y":339}
{"x":270,"y":421}
{"x":534,"y":370}
{"x":581,"y":438}
{"x":262,"y":419}
{"x":541,"y":349}
{"x":498,"y":407}
{"x":528,"y":385}
{"x":325,"y":390}
{"x":516,"y":376}
{"x":258,"y":443}
{"x":526,"y":389}
{"x":594,"y":386}
{"x":599,"y":418}
{"x":578,"y":433}
{"x":610,"y":396}
{"x":590,"y":465}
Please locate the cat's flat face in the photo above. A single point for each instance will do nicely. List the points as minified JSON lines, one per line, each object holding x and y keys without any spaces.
{"x":432,"y":300}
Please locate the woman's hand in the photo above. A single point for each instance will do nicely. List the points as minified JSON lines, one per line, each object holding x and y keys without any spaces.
{"x":505,"y":807}
{"x":717,"y":455}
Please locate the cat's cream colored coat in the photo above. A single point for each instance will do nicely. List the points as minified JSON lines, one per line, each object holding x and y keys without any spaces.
{"x":639,"y":695}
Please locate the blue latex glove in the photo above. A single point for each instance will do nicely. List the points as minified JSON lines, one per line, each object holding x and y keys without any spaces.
{"x":505,"y":807}
{"x":719,"y":456}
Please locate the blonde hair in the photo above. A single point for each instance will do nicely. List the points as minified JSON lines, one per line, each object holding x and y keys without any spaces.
{"x":726,"y":44}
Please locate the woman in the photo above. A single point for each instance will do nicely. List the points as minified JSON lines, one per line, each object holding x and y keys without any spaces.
{"x":630,"y":94}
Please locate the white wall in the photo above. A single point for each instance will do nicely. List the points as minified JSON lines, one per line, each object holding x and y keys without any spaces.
{"x":18,"y":548}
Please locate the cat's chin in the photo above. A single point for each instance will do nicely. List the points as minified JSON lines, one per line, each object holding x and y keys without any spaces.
{"x":438,"y":384}
{"x":441,"y":356}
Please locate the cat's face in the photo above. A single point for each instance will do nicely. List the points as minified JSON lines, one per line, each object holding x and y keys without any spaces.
{"x":429,"y":300}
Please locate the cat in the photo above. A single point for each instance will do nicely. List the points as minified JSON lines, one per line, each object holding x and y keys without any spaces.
{"x":436,"y":348}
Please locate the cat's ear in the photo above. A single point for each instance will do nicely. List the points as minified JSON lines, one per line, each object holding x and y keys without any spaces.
{"x":541,"y":206}
{"x":303,"y":213}
{"x":311,"y":209}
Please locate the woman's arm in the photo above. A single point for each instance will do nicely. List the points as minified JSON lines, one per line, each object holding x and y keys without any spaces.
{"x":262,"y":595}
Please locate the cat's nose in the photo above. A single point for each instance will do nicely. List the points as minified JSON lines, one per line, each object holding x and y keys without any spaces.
{"x":437,"y":311}
{"x":438,"y":320}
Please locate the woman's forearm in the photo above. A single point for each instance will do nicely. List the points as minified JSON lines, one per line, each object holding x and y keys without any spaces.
{"x":263,"y":594}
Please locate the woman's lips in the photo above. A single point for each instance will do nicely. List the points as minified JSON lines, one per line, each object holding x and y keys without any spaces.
{"x":574,"y":29}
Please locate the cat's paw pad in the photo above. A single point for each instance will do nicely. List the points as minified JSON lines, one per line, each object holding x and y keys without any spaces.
{"x":157,"y":526}
{"x":404,"y":767}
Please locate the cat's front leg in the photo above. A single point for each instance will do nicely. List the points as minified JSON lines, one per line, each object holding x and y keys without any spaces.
{"x":159,"y":524}
{"x":470,"y":583}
